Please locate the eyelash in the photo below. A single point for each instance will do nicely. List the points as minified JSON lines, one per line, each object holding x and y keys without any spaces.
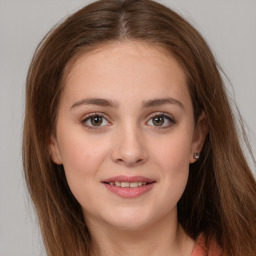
{"x":89,"y":117}
{"x":170,"y":119}
{"x":167,"y":117}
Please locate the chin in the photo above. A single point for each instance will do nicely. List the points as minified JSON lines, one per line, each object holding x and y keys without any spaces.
{"x":130,"y":219}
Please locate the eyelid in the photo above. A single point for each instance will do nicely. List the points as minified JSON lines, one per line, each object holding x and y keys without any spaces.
{"x":106,"y":117}
{"x":93,"y":114}
{"x":168,"y":116}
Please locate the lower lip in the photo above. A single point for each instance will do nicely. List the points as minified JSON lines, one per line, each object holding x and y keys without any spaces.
{"x":129,"y":192}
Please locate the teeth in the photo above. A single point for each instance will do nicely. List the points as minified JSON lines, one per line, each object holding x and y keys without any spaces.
{"x":128,"y":184}
{"x":133,"y":184}
{"x":125,"y":184}
{"x":117,"y":183}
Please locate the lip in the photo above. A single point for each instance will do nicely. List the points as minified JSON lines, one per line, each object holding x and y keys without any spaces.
{"x":128,"y":192}
{"x":123,"y":178}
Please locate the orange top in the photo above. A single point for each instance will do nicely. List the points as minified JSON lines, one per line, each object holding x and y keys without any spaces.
{"x":200,"y":248}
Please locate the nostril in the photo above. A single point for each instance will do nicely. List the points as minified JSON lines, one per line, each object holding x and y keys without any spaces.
{"x":130,"y":153}
{"x":129,"y":162}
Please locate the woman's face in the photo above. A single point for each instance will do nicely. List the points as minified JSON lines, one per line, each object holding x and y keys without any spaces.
{"x":126,"y":134}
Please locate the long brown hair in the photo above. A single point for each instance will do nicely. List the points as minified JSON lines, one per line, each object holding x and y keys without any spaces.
{"x":220,"y":197}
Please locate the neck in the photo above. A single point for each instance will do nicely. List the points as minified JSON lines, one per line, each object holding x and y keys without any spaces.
{"x":166,"y":237}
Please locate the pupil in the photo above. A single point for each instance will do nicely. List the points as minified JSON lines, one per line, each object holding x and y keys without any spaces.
{"x":158,"y":120}
{"x":97,"y":120}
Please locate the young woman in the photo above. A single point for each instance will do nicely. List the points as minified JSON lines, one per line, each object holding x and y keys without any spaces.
{"x":130,"y":146}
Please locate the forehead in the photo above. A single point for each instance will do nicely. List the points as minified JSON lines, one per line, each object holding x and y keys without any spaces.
{"x":107,"y":55}
{"x":128,"y":67}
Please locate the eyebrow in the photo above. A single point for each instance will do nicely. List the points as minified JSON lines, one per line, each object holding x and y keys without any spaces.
{"x":163,"y":101}
{"x":96,"y":101}
{"x":114,"y":104}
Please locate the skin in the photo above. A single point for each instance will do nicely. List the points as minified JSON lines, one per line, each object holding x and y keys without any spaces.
{"x":128,"y":142}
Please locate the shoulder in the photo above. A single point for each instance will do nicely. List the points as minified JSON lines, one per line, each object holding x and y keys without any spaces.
{"x":201,"y":249}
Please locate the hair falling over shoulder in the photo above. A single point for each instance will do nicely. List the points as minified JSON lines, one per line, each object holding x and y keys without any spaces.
{"x":220,"y":197}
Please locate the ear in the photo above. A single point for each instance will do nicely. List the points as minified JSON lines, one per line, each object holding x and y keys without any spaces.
{"x":200,"y":132}
{"x":54,"y":150}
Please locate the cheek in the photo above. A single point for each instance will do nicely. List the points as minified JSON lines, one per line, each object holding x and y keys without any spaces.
{"x":82,"y":158}
{"x":81,"y":154}
{"x":173,"y":152}
{"x":175,"y":168}
{"x":172,"y":159}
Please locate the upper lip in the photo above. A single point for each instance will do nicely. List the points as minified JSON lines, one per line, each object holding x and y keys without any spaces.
{"x":123,"y":178}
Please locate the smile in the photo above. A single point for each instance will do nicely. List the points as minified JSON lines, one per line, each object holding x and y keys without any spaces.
{"x":129,"y":187}
{"x":128,"y":184}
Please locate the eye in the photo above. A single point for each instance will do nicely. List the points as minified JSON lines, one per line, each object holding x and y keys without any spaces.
{"x":161,"y":120}
{"x":95,"y":120}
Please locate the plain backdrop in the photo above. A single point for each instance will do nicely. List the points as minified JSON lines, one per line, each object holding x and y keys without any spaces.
{"x":229,"y":26}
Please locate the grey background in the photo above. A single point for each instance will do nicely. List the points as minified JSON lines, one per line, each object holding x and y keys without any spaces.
{"x":229,"y":26}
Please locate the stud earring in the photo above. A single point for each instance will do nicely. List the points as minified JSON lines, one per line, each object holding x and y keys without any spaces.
{"x":196,"y":156}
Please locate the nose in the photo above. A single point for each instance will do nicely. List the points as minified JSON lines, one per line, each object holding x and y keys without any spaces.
{"x":129,"y":148}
